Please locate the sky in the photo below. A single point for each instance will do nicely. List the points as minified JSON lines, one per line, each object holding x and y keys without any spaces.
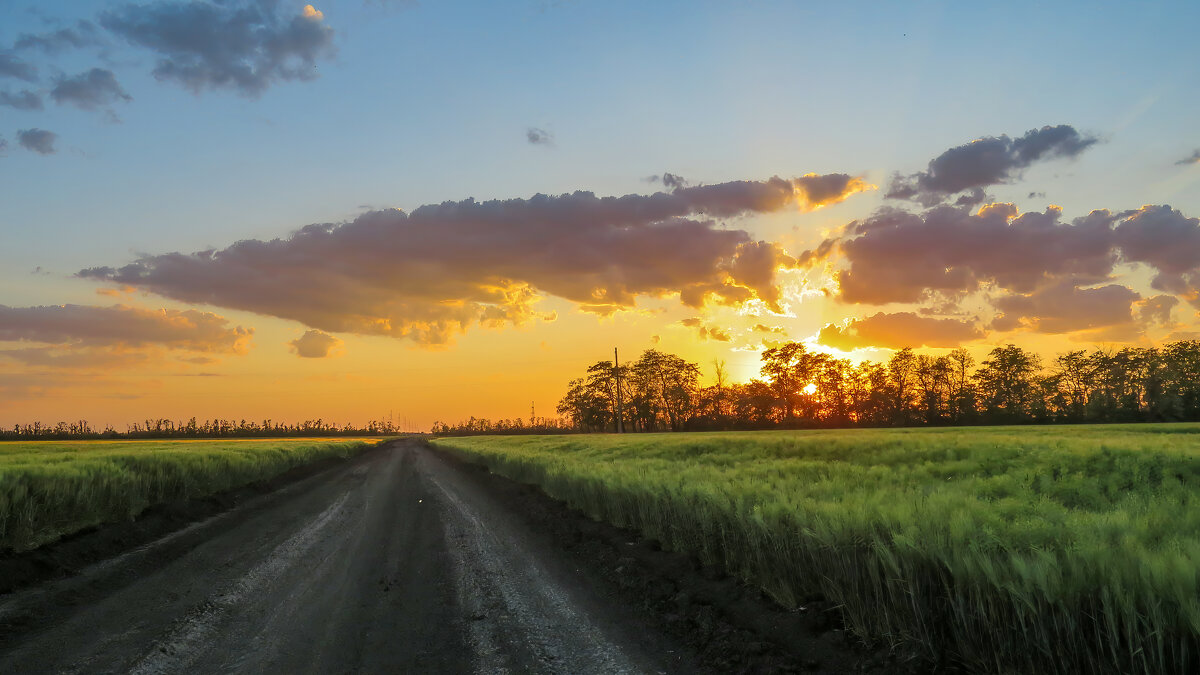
{"x":422,"y":210}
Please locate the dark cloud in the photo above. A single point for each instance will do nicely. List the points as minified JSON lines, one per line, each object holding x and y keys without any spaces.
{"x":669,"y":180}
{"x":37,"y":140}
{"x":11,"y":66}
{"x":821,"y":189}
{"x":897,"y":256}
{"x":537,"y":136}
{"x":3,"y":146}
{"x":1156,"y":310}
{"x":898,"y":330}
{"x":83,"y":34}
{"x":673,"y":182}
{"x":245,"y":45}
{"x":25,"y":100}
{"x":813,"y":256}
{"x":89,"y":90}
{"x":1065,"y":308}
{"x":1036,"y":195}
{"x":706,"y":332}
{"x":315,"y":344}
{"x":987,"y":161}
{"x":429,"y":274}
{"x":1046,"y":270}
{"x":1167,"y":241}
{"x":1194,"y":158}
{"x":123,"y":326}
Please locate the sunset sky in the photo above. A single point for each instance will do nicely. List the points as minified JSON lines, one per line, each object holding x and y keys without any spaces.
{"x":349,"y":210}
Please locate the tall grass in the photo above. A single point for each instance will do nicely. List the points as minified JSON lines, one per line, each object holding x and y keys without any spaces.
{"x":1035,"y":549}
{"x":52,"y":488}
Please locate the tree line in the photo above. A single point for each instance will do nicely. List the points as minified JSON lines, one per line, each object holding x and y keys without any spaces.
{"x":193,"y":428}
{"x":801,"y":388}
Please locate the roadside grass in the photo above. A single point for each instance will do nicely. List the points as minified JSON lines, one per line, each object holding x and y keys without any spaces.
{"x":49,"y":489}
{"x":1011,"y":549}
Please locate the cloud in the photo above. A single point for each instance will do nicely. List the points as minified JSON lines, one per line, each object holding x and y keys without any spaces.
{"x":1042,"y":267}
{"x":315,"y":344}
{"x":38,"y":140}
{"x":1167,"y":241}
{"x":831,"y":188}
{"x":11,"y":66}
{"x":1194,"y":158}
{"x":672,"y":181}
{"x":115,"y":292}
{"x":706,"y":332}
{"x":123,"y":326}
{"x":3,"y":146}
{"x":77,"y":357}
{"x":1156,"y":310}
{"x":1065,"y":308}
{"x":763,"y":328}
{"x":714,"y":333}
{"x":40,"y":383}
{"x":898,"y":330}
{"x":432,"y":273}
{"x":246,"y":45}
{"x":669,"y":180}
{"x":897,"y":256}
{"x":25,"y":100}
{"x":83,"y":34}
{"x":537,"y":136}
{"x":89,"y":90}
{"x":987,"y":161}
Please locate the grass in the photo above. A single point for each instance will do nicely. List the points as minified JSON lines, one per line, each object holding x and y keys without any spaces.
{"x":1028,"y":549}
{"x":49,"y":489}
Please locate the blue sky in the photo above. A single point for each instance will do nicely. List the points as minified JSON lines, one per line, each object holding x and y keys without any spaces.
{"x":425,"y":102}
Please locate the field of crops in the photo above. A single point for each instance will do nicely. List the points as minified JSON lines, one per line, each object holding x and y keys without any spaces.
{"x":52,"y":488}
{"x":1032,"y":549}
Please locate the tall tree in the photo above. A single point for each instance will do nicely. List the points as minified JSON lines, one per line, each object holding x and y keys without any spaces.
{"x":1006,"y":381}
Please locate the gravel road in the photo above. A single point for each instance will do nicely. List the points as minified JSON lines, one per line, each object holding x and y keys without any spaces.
{"x":397,"y":561}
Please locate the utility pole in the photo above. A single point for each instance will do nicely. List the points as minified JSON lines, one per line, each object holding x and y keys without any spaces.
{"x":617,"y":377}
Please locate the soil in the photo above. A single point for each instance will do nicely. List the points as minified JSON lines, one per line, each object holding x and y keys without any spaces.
{"x":403,"y":559}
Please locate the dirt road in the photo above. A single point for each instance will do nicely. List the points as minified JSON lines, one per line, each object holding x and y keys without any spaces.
{"x":406,"y":561}
{"x":394,"y":562}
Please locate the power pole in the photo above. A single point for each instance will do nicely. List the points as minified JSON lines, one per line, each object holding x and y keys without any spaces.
{"x":617,"y":377}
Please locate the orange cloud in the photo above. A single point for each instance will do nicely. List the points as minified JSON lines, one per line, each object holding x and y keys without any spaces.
{"x":115,"y":292}
{"x":898,"y":330}
{"x":82,"y":336}
{"x":315,"y":344}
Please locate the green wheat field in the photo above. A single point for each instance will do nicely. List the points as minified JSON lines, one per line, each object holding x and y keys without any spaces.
{"x":1065,"y":548}
{"x":49,"y":489}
